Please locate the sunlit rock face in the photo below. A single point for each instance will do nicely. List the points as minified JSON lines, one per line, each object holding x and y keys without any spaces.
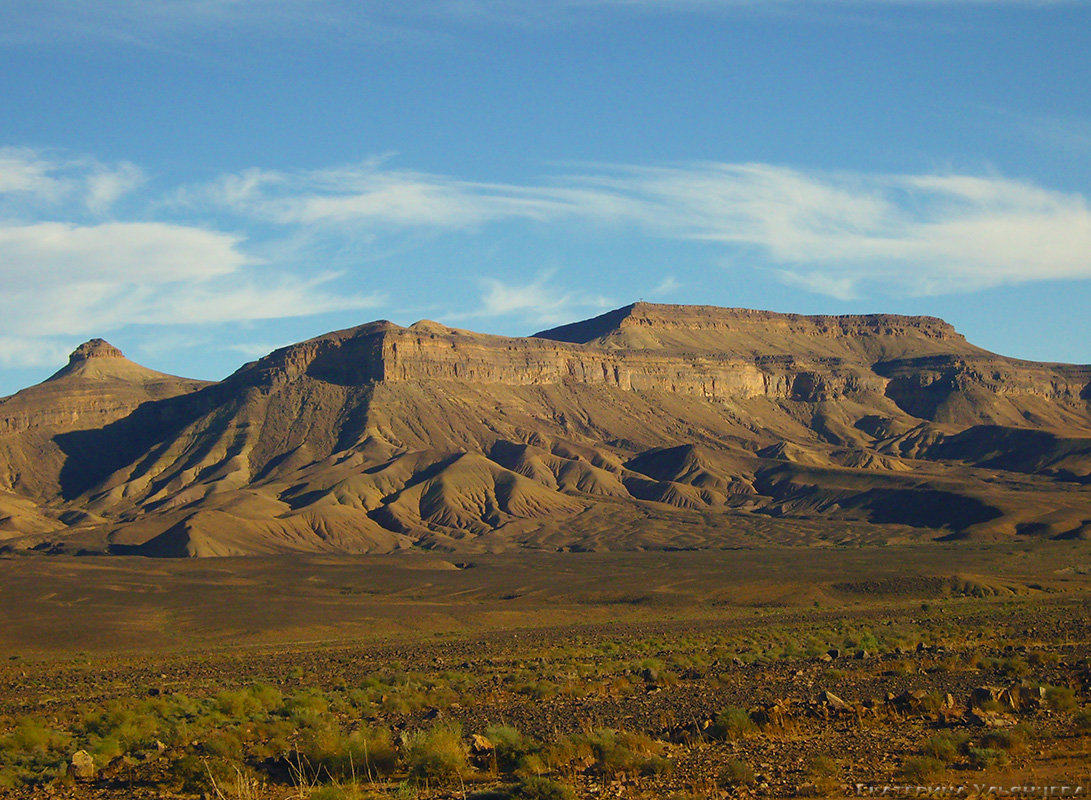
{"x":651,"y":426}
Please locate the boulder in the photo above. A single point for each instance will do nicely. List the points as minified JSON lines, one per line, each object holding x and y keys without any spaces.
{"x":481,"y":744}
{"x":82,"y":766}
{"x":833,"y":702}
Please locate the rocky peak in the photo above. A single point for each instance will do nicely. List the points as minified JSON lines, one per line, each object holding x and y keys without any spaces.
{"x":97,"y":360}
{"x":94,"y":348}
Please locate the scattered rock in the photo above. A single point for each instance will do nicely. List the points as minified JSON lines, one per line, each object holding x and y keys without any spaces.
{"x":481,"y":744}
{"x":82,"y":766}
{"x":833,"y":702}
{"x":984,"y":694}
{"x":990,"y":719}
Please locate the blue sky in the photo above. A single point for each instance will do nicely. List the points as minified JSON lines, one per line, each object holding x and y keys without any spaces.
{"x":201,"y":181}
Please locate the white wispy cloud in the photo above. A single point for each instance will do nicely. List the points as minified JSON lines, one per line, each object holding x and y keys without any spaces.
{"x":840,"y":233}
{"x":843,"y":234}
{"x":106,"y":186}
{"x":834,"y":233}
{"x":30,"y":351}
{"x":148,"y":253}
{"x":541,"y":301}
{"x":69,"y":269}
{"x":63,"y":279}
{"x":667,"y":286}
{"x":22,"y":171}
{"x":369,"y":193}
{"x":32,"y":179}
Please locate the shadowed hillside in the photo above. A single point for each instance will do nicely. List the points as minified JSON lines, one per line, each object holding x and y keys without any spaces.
{"x":650,"y":427}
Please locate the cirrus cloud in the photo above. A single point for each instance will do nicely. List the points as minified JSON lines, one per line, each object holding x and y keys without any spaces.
{"x":32,"y":179}
{"x":65,"y":279}
{"x":67,"y":272}
{"x":842,"y":234}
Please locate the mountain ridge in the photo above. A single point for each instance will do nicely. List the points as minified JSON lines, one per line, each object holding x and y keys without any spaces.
{"x":666,"y":426}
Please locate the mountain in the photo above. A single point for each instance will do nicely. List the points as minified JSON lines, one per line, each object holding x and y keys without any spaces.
{"x":97,"y":387}
{"x":651,"y":426}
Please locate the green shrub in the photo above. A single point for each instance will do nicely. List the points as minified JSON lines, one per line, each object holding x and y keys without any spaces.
{"x":373,"y":748}
{"x":307,"y":708}
{"x":1010,"y":740}
{"x":945,"y":746}
{"x":33,"y":753}
{"x":271,"y":738}
{"x":732,"y":723}
{"x":981,"y":757}
{"x":1083,"y":719}
{"x":437,"y":753}
{"x":736,"y":773}
{"x":611,"y":752}
{"x":330,"y":753}
{"x":921,"y":768}
{"x":1060,"y":698}
{"x":130,"y":726}
{"x":31,"y":736}
{"x":200,"y":775}
{"x":623,"y":751}
{"x":236,"y":704}
{"x":1038,"y":658}
{"x":1014,"y":667}
{"x":540,"y":788}
{"x":511,"y":746}
{"x":268,"y":698}
{"x":822,"y":767}
{"x":225,"y":743}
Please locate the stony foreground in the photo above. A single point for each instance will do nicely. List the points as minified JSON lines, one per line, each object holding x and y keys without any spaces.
{"x":778,"y":702}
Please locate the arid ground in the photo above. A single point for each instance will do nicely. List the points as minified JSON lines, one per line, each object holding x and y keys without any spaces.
{"x":749,"y":672}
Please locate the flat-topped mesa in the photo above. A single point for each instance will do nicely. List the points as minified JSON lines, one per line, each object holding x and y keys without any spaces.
{"x":747,"y":332}
{"x":384,"y":352}
{"x":433,"y":352}
{"x":695,"y":350}
{"x":695,"y":317}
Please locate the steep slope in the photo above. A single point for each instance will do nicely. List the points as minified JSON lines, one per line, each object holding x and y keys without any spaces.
{"x":922,"y":363}
{"x":650,"y":426}
{"x":96,"y":388}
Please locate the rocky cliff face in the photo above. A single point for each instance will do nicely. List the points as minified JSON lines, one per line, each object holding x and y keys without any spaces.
{"x":438,"y":354}
{"x":716,"y":354}
{"x":650,"y":426}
